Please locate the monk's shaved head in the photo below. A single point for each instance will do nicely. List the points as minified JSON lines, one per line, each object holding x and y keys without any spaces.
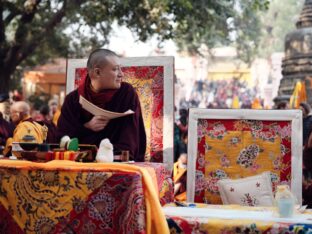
{"x":19,"y":111}
{"x":104,"y":70}
{"x":21,"y":107}
{"x":98,"y":58}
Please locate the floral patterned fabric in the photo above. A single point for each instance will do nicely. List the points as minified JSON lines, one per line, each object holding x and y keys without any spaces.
{"x":215,"y":225}
{"x":163,"y":179}
{"x":72,"y":200}
{"x":44,"y":202}
{"x":148,"y":81}
{"x":237,"y":149}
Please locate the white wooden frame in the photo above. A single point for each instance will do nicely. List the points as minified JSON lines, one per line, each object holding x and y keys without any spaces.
{"x":168,"y":65}
{"x":295,"y":116}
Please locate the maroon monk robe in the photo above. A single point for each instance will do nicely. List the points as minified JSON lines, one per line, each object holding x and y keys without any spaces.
{"x":307,"y":176}
{"x":125,"y":133}
{"x":6,"y":130}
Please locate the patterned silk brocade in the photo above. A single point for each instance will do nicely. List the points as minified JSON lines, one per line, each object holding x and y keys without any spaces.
{"x":238,"y":149}
{"x":163,"y":179}
{"x":44,"y":202}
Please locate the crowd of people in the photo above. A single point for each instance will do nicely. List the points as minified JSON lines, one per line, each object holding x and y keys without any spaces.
{"x":18,"y":119}
{"x":220,"y":94}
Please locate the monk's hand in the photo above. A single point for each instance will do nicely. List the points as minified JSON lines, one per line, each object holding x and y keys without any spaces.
{"x":97,"y":123}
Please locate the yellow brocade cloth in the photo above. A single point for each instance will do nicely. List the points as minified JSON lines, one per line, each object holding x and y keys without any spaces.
{"x":234,"y":149}
{"x":23,"y":176}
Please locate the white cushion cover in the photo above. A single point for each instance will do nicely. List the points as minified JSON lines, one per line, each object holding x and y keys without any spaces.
{"x":249,"y":191}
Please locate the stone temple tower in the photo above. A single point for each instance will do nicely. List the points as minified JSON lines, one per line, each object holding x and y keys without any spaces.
{"x":297,"y":63}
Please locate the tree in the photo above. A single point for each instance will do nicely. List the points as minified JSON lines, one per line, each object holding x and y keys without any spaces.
{"x":279,"y":20}
{"x":234,"y":23}
{"x":33,"y":31}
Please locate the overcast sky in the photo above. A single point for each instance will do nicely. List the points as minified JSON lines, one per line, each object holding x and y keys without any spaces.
{"x":123,"y":42}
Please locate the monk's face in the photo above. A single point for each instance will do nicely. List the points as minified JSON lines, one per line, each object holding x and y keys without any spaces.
{"x":15,"y":115}
{"x":108,"y":76}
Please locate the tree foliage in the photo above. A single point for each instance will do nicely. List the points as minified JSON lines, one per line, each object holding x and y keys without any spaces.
{"x":33,"y":31}
{"x":224,"y":23}
{"x":279,"y":20}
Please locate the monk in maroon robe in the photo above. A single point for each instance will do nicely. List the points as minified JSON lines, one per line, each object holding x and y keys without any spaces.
{"x":6,"y":130}
{"x":104,"y":88}
{"x":307,"y":173}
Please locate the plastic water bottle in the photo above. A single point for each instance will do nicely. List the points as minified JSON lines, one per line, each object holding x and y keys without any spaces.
{"x":285,"y":201}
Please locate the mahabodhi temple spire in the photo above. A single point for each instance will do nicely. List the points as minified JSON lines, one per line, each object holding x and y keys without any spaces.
{"x":297,"y":63}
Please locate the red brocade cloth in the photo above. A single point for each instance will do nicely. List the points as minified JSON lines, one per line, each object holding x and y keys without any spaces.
{"x":163,"y":179}
{"x":238,"y":149}
{"x":82,"y":198}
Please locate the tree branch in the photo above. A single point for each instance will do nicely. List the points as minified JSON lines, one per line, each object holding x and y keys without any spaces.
{"x":27,"y":16}
{"x":2,"y":31}
{"x":14,"y":11}
{"x":48,"y":29}
{"x":19,"y":52}
{"x":20,"y":35}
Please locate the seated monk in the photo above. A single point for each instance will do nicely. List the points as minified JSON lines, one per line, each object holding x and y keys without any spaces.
{"x":104,"y":88}
{"x":55,"y":111}
{"x":179,"y":178}
{"x":6,"y":131}
{"x":20,"y":115}
{"x":307,"y":173}
{"x":46,"y":119}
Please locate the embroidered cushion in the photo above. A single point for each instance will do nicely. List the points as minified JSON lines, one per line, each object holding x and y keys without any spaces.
{"x":248,"y":191}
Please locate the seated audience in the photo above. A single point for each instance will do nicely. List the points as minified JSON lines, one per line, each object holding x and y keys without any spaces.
{"x":307,"y":173}
{"x":6,"y":131}
{"x":6,"y":127}
{"x":306,"y":122}
{"x":46,"y":119}
{"x":179,"y":178}
{"x":25,"y":125}
{"x":5,"y":106}
{"x":282,"y":106}
{"x":55,"y":111}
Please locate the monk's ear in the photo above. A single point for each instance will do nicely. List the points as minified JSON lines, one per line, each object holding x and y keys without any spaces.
{"x":97,"y":71}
